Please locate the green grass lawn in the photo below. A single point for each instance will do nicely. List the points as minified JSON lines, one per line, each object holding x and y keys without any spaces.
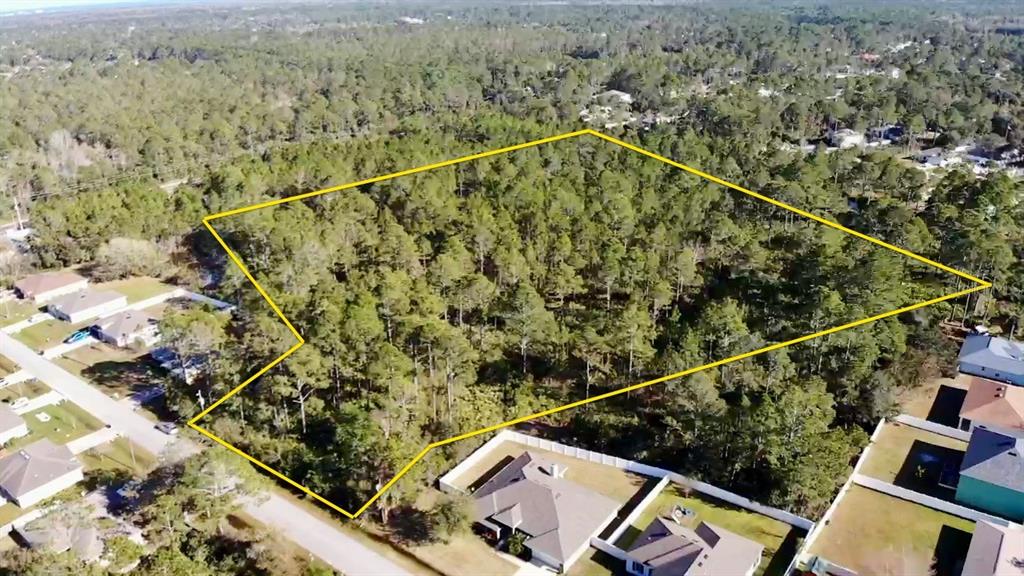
{"x":14,"y":311}
{"x":7,"y":366}
{"x":894,"y":444}
{"x":67,"y":422}
{"x":873,"y":533}
{"x":119,"y":455}
{"x":770,"y":533}
{"x":10,"y":512}
{"x":116,"y":371}
{"x":616,"y":484}
{"x":27,"y":389}
{"x":136,"y":289}
{"x":48,"y":334}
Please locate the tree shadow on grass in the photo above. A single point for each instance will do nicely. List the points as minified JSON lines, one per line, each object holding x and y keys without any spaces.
{"x":133,"y":375}
{"x":628,"y":507}
{"x":945,"y":408}
{"x":923,"y":467}
{"x":951,"y":551}
{"x":787,"y":550}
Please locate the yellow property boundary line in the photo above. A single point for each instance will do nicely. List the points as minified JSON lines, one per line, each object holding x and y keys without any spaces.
{"x":979,"y":285}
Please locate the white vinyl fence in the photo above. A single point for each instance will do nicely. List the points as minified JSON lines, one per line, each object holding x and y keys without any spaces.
{"x":446,"y":482}
{"x":933,"y":427}
{"x":926,"y":500}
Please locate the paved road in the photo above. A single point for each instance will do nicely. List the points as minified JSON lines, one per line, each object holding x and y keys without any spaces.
{"x":108,"y":410}
{"x":331,"y":545}
{"x":307,"y":531}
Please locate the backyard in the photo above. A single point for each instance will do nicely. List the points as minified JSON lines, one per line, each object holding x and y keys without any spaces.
{"x":872,"y":533}
{"x":937,"y":400}
{"x":7,"y":366}
{"x":915,"y":459}
{"x":778,"y":538}
{"x":119,"y":455}
{"x":136,"y":289}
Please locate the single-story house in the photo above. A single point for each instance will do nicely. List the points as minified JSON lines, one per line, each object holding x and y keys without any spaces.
{"x":37,"y":472}
{"x":559,"y":517}
{"x":49,"y":285}
{"x":86,"y":304}
{"x":11,"y":425}
{"x":995,"y":550}
{"x":996,"y":405}
{"x":992,"y":357}
{"x":127,"y":327}
{"x":82,"y":539}
{"x":666,"y":548}
{"x":992,"y":474}
{"x":846,"y":138}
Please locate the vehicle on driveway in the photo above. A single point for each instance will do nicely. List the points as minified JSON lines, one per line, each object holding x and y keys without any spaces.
{"x":169,"y":428}
{"x":78,"y":336}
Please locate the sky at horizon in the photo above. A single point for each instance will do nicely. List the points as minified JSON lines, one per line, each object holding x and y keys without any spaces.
{"x":31,"y":5}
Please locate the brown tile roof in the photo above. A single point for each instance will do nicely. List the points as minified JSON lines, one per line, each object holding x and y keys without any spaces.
{"x":29,"y":286}
{"x":994,"y":404}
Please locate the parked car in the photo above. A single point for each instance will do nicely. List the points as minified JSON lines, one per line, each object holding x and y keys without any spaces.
{"x":169,"y":428}
{"x":77,"y":336}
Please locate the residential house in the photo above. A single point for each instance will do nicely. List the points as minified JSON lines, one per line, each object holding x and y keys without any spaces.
{"x":992,"y":474}
{"x":936,"y":158}
{"x":47,"y":286}
{"x":37,"y":472}
{"x":992,"y":357}
{"x":127,"y":327}
{"x":996,"y":405}
{"x":845,"y":138}
{"x":995,"y":550}
{"x":666,"y":548}
{"x":86,"y":304}
{"x":611,"y":96}
{"x":11,"y":425}
{"x":559,"y":517}
{"x":51,"y":535}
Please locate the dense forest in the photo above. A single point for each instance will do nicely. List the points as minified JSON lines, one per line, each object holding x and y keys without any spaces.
{"x":443,"y":302}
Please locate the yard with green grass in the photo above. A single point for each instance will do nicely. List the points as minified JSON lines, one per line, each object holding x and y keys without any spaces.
{"x":67,"y":421}
{"x":27,"y":389}
{"x":116,"y":371}
{"x":14,"y":311}
{"x":873,"y":533}
{"x":136,"y":289}
{"x":10,"y":512}
{"x":49,"y":333}
{"x":913,"y":458}
{"x":7,"y":366}
{"x":119,"y":455}
{"x":616,"y":484}
{"x":778,"y":538}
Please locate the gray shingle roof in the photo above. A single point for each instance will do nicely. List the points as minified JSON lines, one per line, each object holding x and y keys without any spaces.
{"x":35,"y":284}
{"x":35,"y":465}
{"x":125,"y":323}
{"x":993,"y":352}
{"x":84,"y":300}
{"x":996,"y":459}
{"x":994,"y":550}
{"x":9,"y":419}
{"x":559,"y":515}
{"x":674,"y":550}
